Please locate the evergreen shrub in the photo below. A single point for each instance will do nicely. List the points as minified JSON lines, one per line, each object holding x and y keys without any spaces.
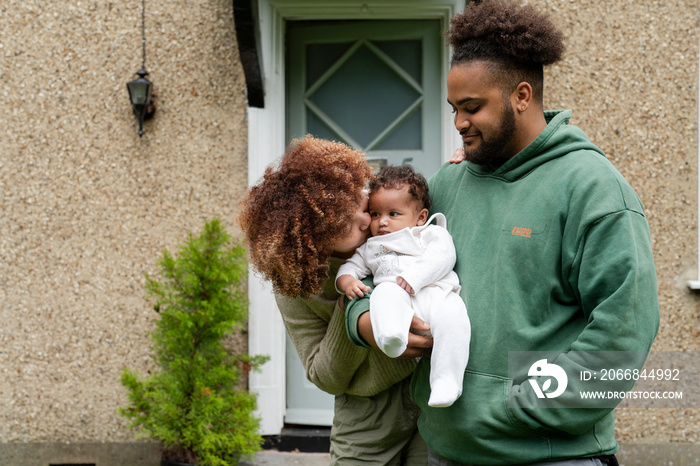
{"x":193,"y":402}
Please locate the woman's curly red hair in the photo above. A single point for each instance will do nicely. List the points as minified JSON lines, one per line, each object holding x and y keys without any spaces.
{"x":299,"y":210}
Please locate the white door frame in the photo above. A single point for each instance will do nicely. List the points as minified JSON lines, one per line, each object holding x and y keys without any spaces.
{"x":266,"y":144}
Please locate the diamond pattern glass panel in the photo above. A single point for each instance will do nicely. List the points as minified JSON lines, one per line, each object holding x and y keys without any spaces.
{"x":320,"y":57}
{"x":408,"y":135}
{"x":386,"y":95}
{"x":320,"y":130}
{"x":406,"y":53}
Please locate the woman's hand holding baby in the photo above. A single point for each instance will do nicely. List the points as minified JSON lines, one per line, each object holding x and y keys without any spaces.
{"x":404,"y":284}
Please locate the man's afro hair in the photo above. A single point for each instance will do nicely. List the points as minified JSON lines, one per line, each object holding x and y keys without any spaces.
{"x":501,"y":30}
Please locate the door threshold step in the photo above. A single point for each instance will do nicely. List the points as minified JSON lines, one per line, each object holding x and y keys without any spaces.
{"x":307,"y":439}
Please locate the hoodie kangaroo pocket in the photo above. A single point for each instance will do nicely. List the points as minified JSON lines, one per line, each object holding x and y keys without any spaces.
{"x":479,"y":425}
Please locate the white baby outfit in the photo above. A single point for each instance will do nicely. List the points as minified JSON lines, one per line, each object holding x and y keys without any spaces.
{"x":424,"y":256}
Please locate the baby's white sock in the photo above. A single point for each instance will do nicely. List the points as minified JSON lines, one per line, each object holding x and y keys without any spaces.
{"x":443,"y":393}
{"x":392,"y":346}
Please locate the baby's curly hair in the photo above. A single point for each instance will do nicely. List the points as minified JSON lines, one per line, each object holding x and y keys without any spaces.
{"x":294,"y":216}
{"x":518,"y":41}
{"x":396,"y":177}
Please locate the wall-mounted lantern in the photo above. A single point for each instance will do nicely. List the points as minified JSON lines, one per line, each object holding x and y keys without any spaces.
{"x":141,"y":97}
{"x":141,"y":89}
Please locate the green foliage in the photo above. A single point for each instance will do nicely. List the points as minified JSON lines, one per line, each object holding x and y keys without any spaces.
{"x":192,"y":403}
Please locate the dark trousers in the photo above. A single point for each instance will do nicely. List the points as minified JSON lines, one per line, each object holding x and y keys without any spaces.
{"x":434,"y":459}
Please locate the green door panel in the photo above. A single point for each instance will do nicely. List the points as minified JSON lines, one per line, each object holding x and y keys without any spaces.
{"x":374,"y":85}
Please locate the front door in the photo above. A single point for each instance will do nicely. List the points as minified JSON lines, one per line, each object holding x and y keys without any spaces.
{"x":376,"y":86}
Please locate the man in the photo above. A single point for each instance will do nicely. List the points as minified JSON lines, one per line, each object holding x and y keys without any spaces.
{"x":553,"y":253}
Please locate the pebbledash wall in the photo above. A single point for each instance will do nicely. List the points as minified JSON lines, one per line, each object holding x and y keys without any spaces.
{"x":86,"y":206}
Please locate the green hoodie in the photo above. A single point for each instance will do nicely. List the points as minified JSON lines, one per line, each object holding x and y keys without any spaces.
{"x":553,"y":254}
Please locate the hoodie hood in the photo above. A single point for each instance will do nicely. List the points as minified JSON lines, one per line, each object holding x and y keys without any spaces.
{"x":559,"y":138}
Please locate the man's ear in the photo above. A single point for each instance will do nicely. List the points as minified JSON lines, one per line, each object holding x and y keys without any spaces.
{"x":523,"y":96}
{"x":422,"y":217}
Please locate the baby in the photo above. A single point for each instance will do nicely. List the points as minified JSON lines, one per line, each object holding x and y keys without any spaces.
{"x":412,"y":263}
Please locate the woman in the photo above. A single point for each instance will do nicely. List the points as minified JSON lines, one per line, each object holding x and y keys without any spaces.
{"x":301,"y":222}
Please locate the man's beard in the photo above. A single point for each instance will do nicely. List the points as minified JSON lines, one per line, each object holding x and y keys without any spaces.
{"x":491,"y":152}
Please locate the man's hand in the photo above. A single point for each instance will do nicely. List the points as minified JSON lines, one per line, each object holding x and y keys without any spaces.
{"x":352,"y":287}
{"x":404,"y":284}
{"x":458,"y":156}
{"x":418,"y":345}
